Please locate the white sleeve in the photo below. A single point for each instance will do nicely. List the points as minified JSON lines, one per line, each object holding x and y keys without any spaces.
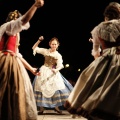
{"x":96,"y":43}
{"x":15,"y":26}
{"x":19,"y":54}
{"x":59,"y":63}
{"x":39,"y":50}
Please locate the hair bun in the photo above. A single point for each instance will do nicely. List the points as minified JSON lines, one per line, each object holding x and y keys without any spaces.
{"x":112,"y":11}
{"x":13,"y":15}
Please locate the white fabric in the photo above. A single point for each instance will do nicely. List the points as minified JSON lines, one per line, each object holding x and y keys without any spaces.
{"x":109,"y":30}
{"x":46,"y":52}
{"x":49,"y":82}
{"x":13,"y":27}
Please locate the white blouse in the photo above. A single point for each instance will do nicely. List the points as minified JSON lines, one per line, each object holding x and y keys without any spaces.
{"x":13,"y":27}
{"x":46,"y":52}
{"x":108,"y":31}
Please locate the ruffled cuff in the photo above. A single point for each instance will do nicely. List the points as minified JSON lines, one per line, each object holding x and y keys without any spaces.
{"x":94,"y":53}
{"x":19,"y":55}
{"x":35,"y":51}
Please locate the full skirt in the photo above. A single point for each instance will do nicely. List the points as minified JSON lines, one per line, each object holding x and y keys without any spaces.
{"x":53,"y":91}
{"x":96,"y":94}
{"x":17,"y":100}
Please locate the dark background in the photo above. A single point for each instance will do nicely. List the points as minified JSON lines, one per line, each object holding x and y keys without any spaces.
{"x":71,"y":21}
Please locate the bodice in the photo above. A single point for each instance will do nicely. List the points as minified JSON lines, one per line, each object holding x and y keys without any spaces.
{"x":50,"y":61}
{"x":8,"y":43}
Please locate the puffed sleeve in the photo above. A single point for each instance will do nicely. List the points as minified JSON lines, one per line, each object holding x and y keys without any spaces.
{"x":59,"y":62}
{"x":19,"y":54}
{"x":110,"y":30}
{"x":13,"y":27}
{"x":96,"y":43}
{"x":39,"y":50}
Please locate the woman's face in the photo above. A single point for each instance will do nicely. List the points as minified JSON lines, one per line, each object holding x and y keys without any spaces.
{"x":54,"y":45}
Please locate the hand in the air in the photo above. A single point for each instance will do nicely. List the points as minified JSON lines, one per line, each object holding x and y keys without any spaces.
{"x":41,"y":38}
{"x":39,"y":3}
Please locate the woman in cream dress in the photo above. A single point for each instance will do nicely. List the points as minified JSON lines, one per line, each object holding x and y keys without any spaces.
{"x":51,"y":89}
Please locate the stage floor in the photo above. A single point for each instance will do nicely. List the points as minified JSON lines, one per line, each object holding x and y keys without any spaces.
{"x":52,"y":115}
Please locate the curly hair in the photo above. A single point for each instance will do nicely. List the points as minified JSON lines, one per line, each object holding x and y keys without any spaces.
{"x":13,"y":15}
{"x":112,"y":11}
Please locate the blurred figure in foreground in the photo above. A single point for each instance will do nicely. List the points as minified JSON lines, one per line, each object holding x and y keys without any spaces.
{"x":17,"y":100}
{"x":96,"y":94}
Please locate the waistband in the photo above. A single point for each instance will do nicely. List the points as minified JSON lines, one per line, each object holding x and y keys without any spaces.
{"x":7,"y":51}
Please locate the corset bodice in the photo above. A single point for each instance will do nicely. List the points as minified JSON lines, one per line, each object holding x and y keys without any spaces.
{"x":8,"y":43}
{"x":50,"y":61}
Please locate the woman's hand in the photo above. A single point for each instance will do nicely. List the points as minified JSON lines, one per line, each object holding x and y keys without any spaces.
{"x":35,"y":71}
{"x":54,"y":70}
{"x":39,"y":3}
{"x":41,"y":38}
{"x":90,"y":40}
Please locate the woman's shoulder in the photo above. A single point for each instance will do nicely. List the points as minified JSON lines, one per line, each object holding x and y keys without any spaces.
{"x":108,"y":30}
{"x":110,"y":23}
{"x":57,"y":52}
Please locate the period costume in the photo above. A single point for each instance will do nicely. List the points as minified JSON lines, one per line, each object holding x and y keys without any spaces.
{"x":50,"y":89}
{"x":97,"y":91}
{"x":17,"y":100}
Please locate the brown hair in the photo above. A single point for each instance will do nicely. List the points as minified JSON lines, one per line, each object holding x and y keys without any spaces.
{"x":54,"y":38}
{"x":112,"y":11}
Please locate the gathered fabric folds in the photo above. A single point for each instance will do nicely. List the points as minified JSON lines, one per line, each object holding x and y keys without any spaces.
{"x":16,"y":95}
{"x":97,"y":88}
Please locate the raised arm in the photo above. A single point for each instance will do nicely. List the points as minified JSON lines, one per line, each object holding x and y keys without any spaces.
{"x":29,"y":14}
{"x":41,"y":38}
